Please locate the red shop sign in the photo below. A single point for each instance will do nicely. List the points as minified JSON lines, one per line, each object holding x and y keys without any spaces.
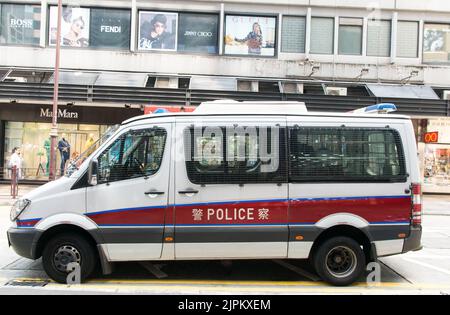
{"x":431,"y":137}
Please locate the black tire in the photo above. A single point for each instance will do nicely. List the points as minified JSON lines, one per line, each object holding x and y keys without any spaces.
{"x":340,"y":261}
{"x":79,"y":245}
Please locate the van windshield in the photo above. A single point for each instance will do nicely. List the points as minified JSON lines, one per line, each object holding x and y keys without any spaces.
{"x":75,"y":164}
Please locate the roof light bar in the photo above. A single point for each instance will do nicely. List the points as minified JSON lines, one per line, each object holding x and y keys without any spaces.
{"x":382,"y":108}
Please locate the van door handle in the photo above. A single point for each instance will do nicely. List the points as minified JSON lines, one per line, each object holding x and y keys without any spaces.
{"x":152,"y":192}
{"x":186,"y":192}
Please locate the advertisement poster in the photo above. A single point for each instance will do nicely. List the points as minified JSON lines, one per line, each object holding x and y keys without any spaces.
{"x":110,"y":28}
{"x":198,"y":33}
{"x":20,"y":24}
{"x":250,"y":35}
{"x":74,"y":26}
{"x":158,"y":31}
{"x":434,"y":40}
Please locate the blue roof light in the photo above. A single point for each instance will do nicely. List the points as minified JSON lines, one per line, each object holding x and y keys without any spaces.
{"x":376,"y":109}
{"x":387,"y":107}
{"x":160,"y":111}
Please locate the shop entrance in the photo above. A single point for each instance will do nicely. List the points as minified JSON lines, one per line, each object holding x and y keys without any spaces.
{"x":34,"y":142}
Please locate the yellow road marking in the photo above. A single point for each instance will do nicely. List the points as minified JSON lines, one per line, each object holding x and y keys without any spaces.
{"x":232,"y":286}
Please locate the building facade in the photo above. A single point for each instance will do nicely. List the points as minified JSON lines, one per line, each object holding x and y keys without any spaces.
{"x":320,"y":51}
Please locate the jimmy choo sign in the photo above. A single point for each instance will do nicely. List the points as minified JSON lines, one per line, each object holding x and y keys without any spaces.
{"x":62,"y":113}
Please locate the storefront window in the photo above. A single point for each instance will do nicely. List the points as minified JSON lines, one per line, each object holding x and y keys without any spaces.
{"x":437,"y":168}
{"x":34,"y":142}
{"x":435,"y":157}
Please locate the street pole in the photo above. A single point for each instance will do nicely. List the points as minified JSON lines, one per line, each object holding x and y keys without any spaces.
{"x":54,"y":130}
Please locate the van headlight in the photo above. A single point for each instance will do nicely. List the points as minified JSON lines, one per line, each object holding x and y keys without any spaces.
{"x":18,"y":207}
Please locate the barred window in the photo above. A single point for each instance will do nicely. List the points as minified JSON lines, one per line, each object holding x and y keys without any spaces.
{"x":322,"y":35}
{"x":135,"y":154}
{"x":293,"y":32}
{"x":221,"y":155}
{"x":346,"y":154}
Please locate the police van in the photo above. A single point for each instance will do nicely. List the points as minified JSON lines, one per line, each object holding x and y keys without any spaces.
{"x":233,"y":180}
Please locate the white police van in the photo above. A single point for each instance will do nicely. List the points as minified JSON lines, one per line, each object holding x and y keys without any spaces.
{"x":233,"y":180}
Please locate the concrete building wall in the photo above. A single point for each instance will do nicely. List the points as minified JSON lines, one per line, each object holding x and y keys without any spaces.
{"x":284,"y":65}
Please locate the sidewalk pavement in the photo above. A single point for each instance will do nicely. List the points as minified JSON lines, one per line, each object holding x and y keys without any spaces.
{"x":5,"y":193}
{"x":432,"y":204}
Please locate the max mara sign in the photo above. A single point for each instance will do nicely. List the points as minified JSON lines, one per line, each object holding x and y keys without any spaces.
{"x":62,"y":113}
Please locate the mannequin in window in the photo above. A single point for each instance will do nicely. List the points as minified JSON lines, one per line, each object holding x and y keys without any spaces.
{"x":47,"y":145}
{"x":88,"y":146}
{"x":64,"y":150}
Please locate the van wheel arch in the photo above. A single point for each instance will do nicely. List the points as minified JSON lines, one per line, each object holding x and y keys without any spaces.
{"x":359,"y":235}
{"x":64,"y":228}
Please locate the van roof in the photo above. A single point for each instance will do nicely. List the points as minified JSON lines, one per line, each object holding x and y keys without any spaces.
{"x":233,"y":108}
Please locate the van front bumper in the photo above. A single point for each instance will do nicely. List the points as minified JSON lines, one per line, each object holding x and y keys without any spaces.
{"x":413,"y":242}
{"x":24,"y":241}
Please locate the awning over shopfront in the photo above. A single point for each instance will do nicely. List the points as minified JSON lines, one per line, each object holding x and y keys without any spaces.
{"x":76,"y":78}
{"x":403,"y":91}
{"x":121,"y":79}
{"x":213,"y":83}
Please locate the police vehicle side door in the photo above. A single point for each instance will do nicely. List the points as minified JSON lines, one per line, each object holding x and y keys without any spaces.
{"x":229,"y":203}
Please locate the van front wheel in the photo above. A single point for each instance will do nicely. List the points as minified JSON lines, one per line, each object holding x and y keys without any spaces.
{"x":64,"y":249}
{"x":339,"y":261}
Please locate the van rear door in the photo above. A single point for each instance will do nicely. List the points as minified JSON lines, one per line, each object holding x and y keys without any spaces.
{"x":230,"y":194}
{"x":349,"y":172}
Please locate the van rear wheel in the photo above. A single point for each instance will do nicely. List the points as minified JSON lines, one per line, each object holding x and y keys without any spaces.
{"x":339,"y":261}
{"x":63,"y":249}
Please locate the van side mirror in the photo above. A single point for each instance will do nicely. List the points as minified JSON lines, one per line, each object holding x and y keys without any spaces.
{"x":92,"y":173}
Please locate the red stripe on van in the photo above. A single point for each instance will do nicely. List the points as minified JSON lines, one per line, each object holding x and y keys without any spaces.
{"x":150,"y":216}
{"x":371,"y":209}
{"x":27,"y":223}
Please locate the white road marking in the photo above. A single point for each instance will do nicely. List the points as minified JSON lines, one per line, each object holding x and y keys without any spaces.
{"x":432,"y":257}
{"x":427,"y":265}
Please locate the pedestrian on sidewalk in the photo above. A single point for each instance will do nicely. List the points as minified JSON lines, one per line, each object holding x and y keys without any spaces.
{"x":16,"y":161}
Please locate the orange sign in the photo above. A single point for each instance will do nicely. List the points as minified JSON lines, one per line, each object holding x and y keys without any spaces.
{"x":431,"y":137}
{"x":169,"y":109}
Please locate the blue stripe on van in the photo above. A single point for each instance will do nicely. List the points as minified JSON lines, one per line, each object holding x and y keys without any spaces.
{"x":349,"y":198}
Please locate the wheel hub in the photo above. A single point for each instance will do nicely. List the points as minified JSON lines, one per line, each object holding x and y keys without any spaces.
{"x":64,"y":256}
{"x":341,"y":261}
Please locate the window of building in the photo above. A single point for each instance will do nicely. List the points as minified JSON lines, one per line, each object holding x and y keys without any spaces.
{"x":350,"y":36}
{"x":86,"y":27}
{"x":198,"y":33}
{"x":20,"y":24}
{"x":250,"y":35}
{"x":322,"y":35}
{"x":379,"y":38}
{"x":436,"y":43}
{"x":269,"y":86}
{"x":346,"y":154}
{"x":223,"y":155}
{"x":407,"y":39}
{"x":293,"y":32}
{"x":183,"y":83}
{"x":135,"y":154}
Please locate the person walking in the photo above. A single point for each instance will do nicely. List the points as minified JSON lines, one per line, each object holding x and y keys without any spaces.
{"x":16,"y":162}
